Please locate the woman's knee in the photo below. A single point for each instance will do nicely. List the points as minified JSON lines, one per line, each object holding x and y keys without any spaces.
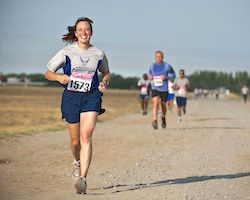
{"x":86,"y":135}
{"x":75,"y":142}
{"x":85,"y":138}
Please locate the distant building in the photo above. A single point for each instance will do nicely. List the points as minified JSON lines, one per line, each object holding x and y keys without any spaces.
{"x":13,"y":80}
{"x":23,"y":81}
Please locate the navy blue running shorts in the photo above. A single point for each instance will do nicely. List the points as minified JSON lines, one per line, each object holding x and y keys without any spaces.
{"x":181,"y":101}
{"x":74,"y":103}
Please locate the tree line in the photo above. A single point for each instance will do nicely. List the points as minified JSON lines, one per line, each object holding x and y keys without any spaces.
{"x":213,"y":80}
{"x":198,"y":79}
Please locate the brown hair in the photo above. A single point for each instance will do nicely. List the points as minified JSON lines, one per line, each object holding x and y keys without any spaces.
{"x":70,"y":36}
{"x":182,"y":71}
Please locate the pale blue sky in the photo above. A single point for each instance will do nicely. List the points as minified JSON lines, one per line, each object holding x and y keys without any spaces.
{"x":193,"y":34}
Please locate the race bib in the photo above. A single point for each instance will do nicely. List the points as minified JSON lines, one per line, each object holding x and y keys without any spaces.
{"x":144,"y":90}
{"x":182,"y":91}
{"x":79,"y":84}
{"x":158,"y":81}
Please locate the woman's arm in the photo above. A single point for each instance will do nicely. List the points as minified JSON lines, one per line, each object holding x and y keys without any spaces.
{"x":105,"y":82}
{"x":52,"y":76}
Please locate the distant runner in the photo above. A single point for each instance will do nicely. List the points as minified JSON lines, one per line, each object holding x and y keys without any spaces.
{"x":181,"y":85}
{"x":81,"y":97}
{"x":144,"y":85}
{"x":158,"y":73}
{"x":244,"y":93}
{"x":171,"y":95}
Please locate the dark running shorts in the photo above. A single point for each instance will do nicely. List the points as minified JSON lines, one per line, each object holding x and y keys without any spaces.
{"x":163,"y":95}
{"x":143,"y":96}
{"x":74,"y":103}
{"x":181,"y":101}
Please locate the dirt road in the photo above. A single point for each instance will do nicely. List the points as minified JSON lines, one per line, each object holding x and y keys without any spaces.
{"x":206,"y":156}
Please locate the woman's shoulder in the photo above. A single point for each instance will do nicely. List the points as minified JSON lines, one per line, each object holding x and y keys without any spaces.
{"x":69,"y":47}
{"x":94,"y":48}
{"x":96,"y":51}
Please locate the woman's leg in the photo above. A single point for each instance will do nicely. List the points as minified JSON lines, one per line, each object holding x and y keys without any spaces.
{"x":87,"y":125}
{"x":74,"y":132}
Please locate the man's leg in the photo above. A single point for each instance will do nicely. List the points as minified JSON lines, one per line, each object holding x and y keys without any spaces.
{"x":171,"y":104}
{"x":184,"y":105}
{"x":164,"y":110}
{"x":155,"y":101}
{"x":179,"y":107}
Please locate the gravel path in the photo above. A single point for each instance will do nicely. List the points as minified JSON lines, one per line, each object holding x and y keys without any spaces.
{"x":206,"y":156}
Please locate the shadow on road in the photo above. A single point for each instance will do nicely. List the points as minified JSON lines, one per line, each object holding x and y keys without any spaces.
{"x":186,"y":180}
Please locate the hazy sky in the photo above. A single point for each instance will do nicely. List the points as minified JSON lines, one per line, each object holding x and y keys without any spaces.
{"x":193,"y":34}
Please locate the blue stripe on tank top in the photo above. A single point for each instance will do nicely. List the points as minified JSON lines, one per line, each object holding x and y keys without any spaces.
{"x":67,"y":68}
{"x":95,"y":82}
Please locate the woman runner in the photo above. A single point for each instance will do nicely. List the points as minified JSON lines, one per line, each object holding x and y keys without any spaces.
{"x":81,"y":98}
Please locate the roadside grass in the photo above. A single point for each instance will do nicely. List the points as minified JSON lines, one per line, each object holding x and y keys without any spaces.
{"x":27,"y":110}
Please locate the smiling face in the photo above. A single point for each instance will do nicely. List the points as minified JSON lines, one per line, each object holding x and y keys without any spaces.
{"x":83,"y":33}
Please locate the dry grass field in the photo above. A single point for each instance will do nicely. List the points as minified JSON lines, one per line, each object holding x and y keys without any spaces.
{"x":26,"y":110}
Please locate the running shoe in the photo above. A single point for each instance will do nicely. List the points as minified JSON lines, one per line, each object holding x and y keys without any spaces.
{"x":155,"y":125}
{"x":179,"y":120}
{"x":76,"y":173}
{"x":81,"y":185}
{"x":163,"y":122}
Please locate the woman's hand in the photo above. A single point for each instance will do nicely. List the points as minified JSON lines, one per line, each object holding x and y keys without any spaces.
{"x":63,"y":79}
{"x":102,"y":86}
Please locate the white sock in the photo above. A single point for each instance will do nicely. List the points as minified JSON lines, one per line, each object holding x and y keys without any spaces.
{"x":77,"y":162}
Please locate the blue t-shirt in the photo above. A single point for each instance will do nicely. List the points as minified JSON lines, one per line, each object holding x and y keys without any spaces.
{"x":156,"y":70}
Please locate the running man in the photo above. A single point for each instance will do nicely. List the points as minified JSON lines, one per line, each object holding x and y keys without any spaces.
{"x":144,"y":85}
{"x":244,"y":93}
{"x":158,"y":73}
{"x":181,"y":85}
{"x":81,"y":97}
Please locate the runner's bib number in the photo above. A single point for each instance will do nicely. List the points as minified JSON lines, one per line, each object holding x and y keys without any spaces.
{"x":79,"y":85}
{"x":158,"y":81}
{"x":182,"y":91}
{"x":144,"y":90}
